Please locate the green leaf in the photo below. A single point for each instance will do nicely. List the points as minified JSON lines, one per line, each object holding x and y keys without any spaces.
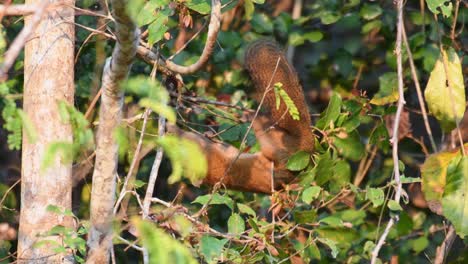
{"x":138,"y":184}
{"x":162,"y":248}
{"x":236,"y":224}
{"x":455,"y":198}
{"x":329,"y":17}
{"x":350,"y":146}
{"x":375,"y":195}
{"x":160,"y":108}
{"x":249,"y":9}
{"x":157,"y":28}
{"x":447,"y":105}
{"x":298,"y":161}
{"x":215,"y":199}
{"x":444,"y":5}
{"x":394,"y":206}
{"x":332,"y":112}
{"x":281,"y":93}
{"x":370,"y":11}
{"x":245,"y":209}
{"x":211,"y":248}
{"x":419,"y":244}
{"x":309,"y":194}
{"x":305,"y":217}
{"x":341,"y":175}
{"x":299,"y":38}
{"x":324,"y":168}
{"x":261,"y":23}
{"x":187,"y":159}
{"x":388,"y":89}
{"x":331,"y":244}
{"x":332,"y":221}
{"x":201,"y":6}
{"x":370,"y":26}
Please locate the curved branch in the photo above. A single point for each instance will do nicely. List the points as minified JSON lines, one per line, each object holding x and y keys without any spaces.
{"x":213,"y":30}
{"x":116,"y":70}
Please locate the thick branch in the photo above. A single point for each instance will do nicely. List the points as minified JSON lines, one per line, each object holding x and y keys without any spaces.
{"x":110,"y":115}
{"x":18,"y":10}
{"x":213,"y":30}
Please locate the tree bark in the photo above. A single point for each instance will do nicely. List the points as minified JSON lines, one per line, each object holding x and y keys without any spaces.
{"x":48,"y":79}
{"x":110,"y":115}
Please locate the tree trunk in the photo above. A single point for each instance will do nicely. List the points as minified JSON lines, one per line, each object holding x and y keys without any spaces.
{"x":48,"y":79}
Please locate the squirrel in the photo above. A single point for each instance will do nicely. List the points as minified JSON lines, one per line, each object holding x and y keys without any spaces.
{"x":278,"y":134}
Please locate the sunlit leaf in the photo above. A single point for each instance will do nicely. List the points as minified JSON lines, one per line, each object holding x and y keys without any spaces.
{"x":444,"y":5}
{"x":370,"y":11}
{"x":162,"y":248}
{"x":187,"y":159}
{"x":309,"y":194}
{"x":211,"y":248}
{"x":245,"y":209}
{"x":394,"y":206}
{"x":201,"y":6}
{"x":331,"y":113}
{"x":216,"y":198}
{"x":375,"y":195}
{"x":433,"y":174}
{"x":388,"y":89}
{"x":446,"y":103}
{"x":331,"y":244}
{"x":236,"y":224}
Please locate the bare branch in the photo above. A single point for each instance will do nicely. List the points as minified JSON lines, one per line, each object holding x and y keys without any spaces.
{"x":444,"y":248}
{"x":400,"y":105}
{"x":154,"y":170}
{"x":116,"y":70}
{"x":18,"y":10}
{"x":17,"y":46}
{"x":213,"y":30}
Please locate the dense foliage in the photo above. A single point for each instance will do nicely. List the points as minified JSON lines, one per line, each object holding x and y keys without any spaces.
{"x":344,"y":52}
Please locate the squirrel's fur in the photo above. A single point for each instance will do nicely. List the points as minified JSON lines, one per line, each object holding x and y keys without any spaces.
{"x":278,"y":134}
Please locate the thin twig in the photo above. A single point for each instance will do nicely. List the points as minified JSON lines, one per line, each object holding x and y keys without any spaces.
{"x":7,"y":192}
{"x":454,"y":22}
{"x":154,"y":170}
{"x":125,"y":187}
{"x":365,"y":167}
{"x":418,"y":91}
{"x":401,"y":103}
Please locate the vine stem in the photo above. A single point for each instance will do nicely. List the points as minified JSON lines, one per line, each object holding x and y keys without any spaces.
{"x":394,"y":140}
